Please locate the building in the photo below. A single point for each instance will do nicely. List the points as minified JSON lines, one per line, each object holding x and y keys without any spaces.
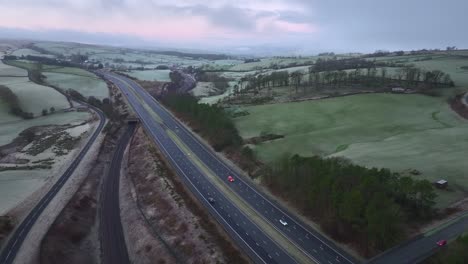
{"x":398,"y":90}
{"x":441,"y":184}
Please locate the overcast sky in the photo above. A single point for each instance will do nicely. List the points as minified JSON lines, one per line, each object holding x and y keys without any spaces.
{"x":309,"y":25}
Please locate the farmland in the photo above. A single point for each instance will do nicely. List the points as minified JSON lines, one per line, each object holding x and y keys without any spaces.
{"x":122,"y":57}
{"x":66,"y":78}
{"x":87,"y":86}
{"x":33,"y":97}
{"x":150,"y":75}
{"x":25,"y":171}
{"x":30,"y":52}
{"x":399,"y":132}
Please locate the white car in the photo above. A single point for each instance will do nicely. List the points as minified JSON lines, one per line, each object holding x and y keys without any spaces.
{"x":283,"y":222}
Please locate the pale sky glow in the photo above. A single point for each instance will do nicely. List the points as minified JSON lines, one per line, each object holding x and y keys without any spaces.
{"x":318,"y":24}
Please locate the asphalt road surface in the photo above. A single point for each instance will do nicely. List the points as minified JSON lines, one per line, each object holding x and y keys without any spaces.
{"x":259,"y":246}
{"x":14,"y":244}
{"x":249,"y":236}
{"x":114,"y":249}
{"x":423,"y":246}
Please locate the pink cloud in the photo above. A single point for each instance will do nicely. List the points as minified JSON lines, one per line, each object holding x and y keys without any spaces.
{"x":148,"y":24}
{"x":275,"y":25}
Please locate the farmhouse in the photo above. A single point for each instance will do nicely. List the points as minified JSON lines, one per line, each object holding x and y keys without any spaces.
{"x":441,"y":184}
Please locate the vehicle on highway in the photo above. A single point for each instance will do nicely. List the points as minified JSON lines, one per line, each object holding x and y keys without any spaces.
{"x":230,"y":178}
{"x":211,"y":200}
{"x":283,"y":222}
{"x":442,"y":243}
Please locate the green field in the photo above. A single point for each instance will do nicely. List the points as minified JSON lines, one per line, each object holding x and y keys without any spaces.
{"x":449,"y":65}
{"x":399,"y":132}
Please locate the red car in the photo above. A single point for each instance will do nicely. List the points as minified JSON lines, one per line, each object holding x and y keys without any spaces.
{"x":442,"y":243}
{"x":230,"y":178}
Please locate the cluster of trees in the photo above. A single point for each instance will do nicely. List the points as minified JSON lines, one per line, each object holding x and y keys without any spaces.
{"x":220,"y":82}
{"x":341,"y":64}
{"x":211,"y":121}
{"x":44,"y":51}
{"x":327,"y":54}
{"x":193,"y":55}
{"x":105,"y":105}
{"x":35,"y":73}
{"x":46,"y":111}
{"x":251,"y":60}
{"x":409,"y":77}
{"x":351,"y":202}
{"x":383,"y":53}
{"x":176,"y":78}
{"x":43,"y":60}
{"x":78,"y":58}
{"x":12,"y":100}
{"x":162,"y":67}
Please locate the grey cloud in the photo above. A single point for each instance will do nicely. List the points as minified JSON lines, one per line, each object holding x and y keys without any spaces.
{"x":226,"y":16}
{"x":344,"y":25}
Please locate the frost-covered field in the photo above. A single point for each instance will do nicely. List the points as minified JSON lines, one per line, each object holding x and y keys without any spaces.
{"x":87,"y":86}
{"x":203,"y":89}
{"x":117,"y":56}
{"x":7,"y":70}
{"x":151,"y":75}
{"x":26,"y":52}
{"x":33,"y":97}
{"x":68,"y":49}
{"x":12,"y":126}
{"x":15,"y":186}
{"x":66,"y":78}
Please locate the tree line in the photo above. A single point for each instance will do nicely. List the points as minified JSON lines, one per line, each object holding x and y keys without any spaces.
{"x":220,"y":82}
{"x":211,"y":121}
{"x":13,"y":103}
{"x":363,"y":75}
{"x":370,"y":207}
{"x":105,"y":104}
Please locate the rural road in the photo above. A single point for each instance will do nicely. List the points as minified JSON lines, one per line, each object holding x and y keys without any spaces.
{"x":114,"y":249}
{"x":422,"y":246}
{"x":261,"y":247}
{"x":14,"y":244}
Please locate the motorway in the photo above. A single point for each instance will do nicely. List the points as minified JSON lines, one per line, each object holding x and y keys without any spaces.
{"x":114,"y":249}
{"x":250,"y":237}
{"x":14,"y":243}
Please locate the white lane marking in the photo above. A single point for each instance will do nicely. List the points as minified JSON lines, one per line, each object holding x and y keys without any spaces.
{"x":155,"y":137}
{"x":227,"y":168}
{"x":214,"y":209}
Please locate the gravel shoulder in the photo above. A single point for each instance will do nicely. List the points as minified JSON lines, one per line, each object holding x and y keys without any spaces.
{"x":172,"y":213}
{"x":142,"y":248}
